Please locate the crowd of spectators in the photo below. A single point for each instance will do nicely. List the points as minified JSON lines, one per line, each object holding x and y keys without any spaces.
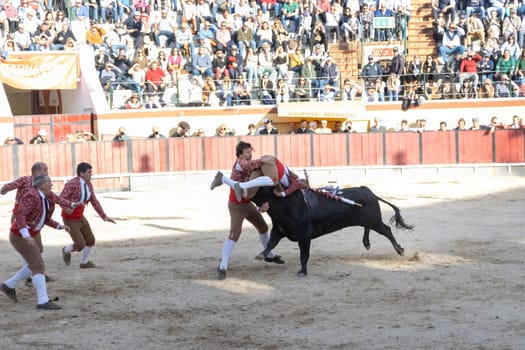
{"x":239,"y":51}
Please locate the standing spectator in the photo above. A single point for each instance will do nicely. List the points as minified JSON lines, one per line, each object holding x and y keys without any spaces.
{"x":267,"y":128}
{"x":121,"y":135}
{"x":323,"y":129}
{"x":475,"y":124}
{"x":377,"y":127}
{"x":80,"y":189}
{"x":462,"y":124}
{"x":516,"y":123}
{"x":397,"y":65}
{"x":338,"y":127}
{"x":442,"y":126}
{"x":155,"y":133}
{"x":303,"y":128}
{"x":41,"y":137}
{"x":371,"y":71}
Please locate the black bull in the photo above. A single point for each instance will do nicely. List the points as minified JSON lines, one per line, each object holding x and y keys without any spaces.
{"x":303,"y":217}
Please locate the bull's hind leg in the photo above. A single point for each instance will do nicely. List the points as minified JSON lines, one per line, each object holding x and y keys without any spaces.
{"x":387,"y":232}
{"x":366,"y":238}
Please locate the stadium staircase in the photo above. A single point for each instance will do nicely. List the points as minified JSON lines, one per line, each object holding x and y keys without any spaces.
{"x":420,"y":41}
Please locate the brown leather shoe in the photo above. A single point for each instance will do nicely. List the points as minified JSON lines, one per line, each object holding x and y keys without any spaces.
{"x":10,"y":292}
{"x":88,"y":265}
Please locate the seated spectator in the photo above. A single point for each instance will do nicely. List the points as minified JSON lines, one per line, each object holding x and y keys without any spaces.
{"x":252,"y":131}
{"x":511,"y":45}
{"x":290,"y":15}
{"x":155,"y":134}
{"x":226,"y":92}
{"x":476,"y":7}
{"x":329,"y":73}
{"x":264,"y":35}
{"x":468,"y":68}
{"x":121,"y":135}
{"x":62,"y":37}
{"x":251,"y":66}
{"x":366,"y":17}
{"x":184,"y":41}
{"x":175,"y":64}
{"x":141,"y":59}
{"x":487,"y":89}
{"x":153,"y":102}
{"x":451,"y":43}
{"x":266,"y":90}
{"x":282,"y":92}
{"x":95,"y":35}
{"x":166,"y":27}
{"x":503,"y":87}
{"x":22,"y":39}
{"x":467,"y":90}
{"x":108,"y":77}
{"x":223,"y":37}
{"x":280,"y":34}
{"x":497,"y":6}
{"x":475,"y":31}
{"x":309,"y":73}
{"x":338,"y":127}
{"x":445,"y":7}
{"x":182,"y":130}
{"x":267,"y":128}
{"x":328,"y":93}
{"x":133,"y":26}
{"x":40,"y":138}
{"x":201,"y":63}
{"x":318,"y":36}
{"x":133,"y":102}
{"x":11,"y":140}
{"x":219,"y":65}
{"x":235,"y":63}
{"x":245,"y":38}
{"x":241,"y":92}
{"x":199,"y":133}
{"x":383,"y":34}
{"x":349,"y":90}
{"x":155,"y":80}
{"x":486,"y":68}
{"x":447,"y":90}
{"x":301,"y":91}
{"x":101,"y":59}
{"x":280,"y":62}
{"x":266,"y":62}
{"x":207,"y":34}
{"x":380,"y":87}
{"x":210,"y":93}
{"x":506,"y":65}
{"x":393,"y":86}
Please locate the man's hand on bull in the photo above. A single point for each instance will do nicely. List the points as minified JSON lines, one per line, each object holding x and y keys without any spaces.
{"x":279,"y":194}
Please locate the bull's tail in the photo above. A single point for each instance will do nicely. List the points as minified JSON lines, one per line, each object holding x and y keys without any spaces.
{"x":397,"y":219}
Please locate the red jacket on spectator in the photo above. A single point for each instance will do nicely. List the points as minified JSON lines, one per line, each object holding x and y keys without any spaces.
{"x":469,"y":64}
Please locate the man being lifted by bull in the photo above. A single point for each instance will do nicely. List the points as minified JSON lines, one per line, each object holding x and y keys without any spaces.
{"x":240,"y":207}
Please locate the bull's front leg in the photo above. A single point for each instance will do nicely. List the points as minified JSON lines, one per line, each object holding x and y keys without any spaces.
{"x":366,"y":238}
{"x":304,"y":247}
{"x":275,"y":238}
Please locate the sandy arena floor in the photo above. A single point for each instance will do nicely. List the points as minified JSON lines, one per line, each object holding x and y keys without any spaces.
{"x":460,"y":284}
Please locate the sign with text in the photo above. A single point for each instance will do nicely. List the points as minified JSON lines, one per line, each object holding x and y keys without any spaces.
{"x":384,"y":22}
{"x":381,"y":52}
{"x":37,"y":71}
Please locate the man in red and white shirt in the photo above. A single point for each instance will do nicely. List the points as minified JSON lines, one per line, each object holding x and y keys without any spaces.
{"x":242,"y":208}
{"x":80,"y":189}
{"x":34,"y":210}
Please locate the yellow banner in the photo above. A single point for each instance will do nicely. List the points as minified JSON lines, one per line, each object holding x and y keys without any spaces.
{"x":40,"y":71}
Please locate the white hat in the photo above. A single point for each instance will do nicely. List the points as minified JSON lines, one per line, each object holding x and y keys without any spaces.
{"x":42,"y":132}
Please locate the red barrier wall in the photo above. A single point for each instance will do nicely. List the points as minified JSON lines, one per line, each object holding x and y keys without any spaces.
{"x":311,"y":150}
{"x":57,"y":126}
